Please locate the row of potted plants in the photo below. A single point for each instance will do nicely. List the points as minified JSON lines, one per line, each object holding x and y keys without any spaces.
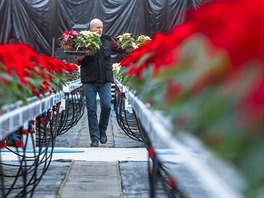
{"x":206,"y":76}
{"x":25,"y":73}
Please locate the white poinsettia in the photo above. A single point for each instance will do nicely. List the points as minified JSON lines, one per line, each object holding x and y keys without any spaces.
{"x":88,"y":40}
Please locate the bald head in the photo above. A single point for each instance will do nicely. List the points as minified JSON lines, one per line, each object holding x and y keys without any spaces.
{"x":96,"y":25}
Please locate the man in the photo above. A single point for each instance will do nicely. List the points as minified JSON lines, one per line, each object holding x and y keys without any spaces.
{"x":97,"y":77}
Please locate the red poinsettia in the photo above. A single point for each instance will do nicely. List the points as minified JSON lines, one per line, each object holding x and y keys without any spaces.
{"x":241,"y":35}
{"x":28,"y":72}
{"x":67,"y":39}
{"x":237,"y":35}
{"x":162,"y":51}
{"x":207,"y":76}
{"x":134,"y":56}
{"x":16,"y":58}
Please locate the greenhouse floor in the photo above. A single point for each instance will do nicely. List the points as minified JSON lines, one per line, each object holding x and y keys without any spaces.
{"x":115,"y":169}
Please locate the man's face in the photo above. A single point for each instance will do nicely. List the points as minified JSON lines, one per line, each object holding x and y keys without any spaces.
{"x":97,"y":27}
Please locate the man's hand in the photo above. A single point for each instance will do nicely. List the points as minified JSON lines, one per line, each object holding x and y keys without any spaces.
{"x":78,"y":59}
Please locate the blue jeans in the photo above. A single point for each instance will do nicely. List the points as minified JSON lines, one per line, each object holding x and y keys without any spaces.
{"x":104,"y":92}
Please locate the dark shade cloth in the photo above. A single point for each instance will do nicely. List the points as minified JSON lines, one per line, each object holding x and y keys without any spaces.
{"x":39,"y":23}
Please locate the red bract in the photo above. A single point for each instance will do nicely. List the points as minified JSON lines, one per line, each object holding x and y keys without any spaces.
{"x":165,"y":45}
{"x":162,"y":51}
{"x":71,"y":67}
{"x":24,"y":62}
{"x":48,"y":65}
{"x":7,"y":57}
{"x":133,"y":59}
{"x":127,"y":61}
{"x":135,"y":55}
{"x":16,"y":58}
{"x":67,"y":34}
{"x":67,"y":37}
{"x":235,"y":26}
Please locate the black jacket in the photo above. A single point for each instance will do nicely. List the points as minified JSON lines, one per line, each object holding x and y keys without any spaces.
{"x":98,"y":67}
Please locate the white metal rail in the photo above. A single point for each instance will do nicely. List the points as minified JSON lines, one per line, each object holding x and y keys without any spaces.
{"x":15,"y":115}
{"x":214,"y":178}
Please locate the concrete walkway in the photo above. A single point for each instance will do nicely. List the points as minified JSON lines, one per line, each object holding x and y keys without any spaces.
{"x":92,"y":179}
{"x":96,"y":172}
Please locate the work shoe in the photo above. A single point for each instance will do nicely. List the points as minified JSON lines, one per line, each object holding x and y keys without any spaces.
{"x":103,"y":138}
{"x":94,"y":143}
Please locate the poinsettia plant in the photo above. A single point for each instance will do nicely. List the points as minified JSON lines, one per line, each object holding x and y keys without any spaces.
{"x":80,"y":40}
{"x":142,"y":39}
{"x":129,"y":43}
{"x":116,"y":70}
{"x":126,"y":42}
{"x":88,"y":40}
{"x":25,"y":73}
{"x":67,"y":39}
{"x":206,"y":75}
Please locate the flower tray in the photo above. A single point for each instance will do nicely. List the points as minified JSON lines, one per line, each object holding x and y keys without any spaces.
{"x":87,"y":53}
